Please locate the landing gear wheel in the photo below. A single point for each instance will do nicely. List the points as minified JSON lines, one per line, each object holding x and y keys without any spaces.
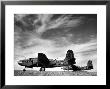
{"x":42,"y":69}
{"x":24,"y":70}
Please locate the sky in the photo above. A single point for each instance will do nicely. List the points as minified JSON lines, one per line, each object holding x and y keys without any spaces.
{"x":54,"y":35}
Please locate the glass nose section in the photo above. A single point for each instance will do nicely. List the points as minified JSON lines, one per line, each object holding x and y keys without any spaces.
{"x":20,"y":62}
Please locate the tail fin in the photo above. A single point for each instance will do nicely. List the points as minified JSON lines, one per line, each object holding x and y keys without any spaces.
{"x":43,"y":60}
{"x":89,"y":64}
{"x":69,"y":59}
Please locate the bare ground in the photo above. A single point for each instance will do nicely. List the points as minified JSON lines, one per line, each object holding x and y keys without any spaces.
{"x":53,"y":73}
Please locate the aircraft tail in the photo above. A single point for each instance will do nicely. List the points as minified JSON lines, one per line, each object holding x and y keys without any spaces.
{"x":89,"y":64}
{"x":42,"y":60}
{"x":88,"y":67}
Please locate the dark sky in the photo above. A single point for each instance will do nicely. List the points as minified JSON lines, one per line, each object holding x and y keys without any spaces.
{"x":54,"y":34}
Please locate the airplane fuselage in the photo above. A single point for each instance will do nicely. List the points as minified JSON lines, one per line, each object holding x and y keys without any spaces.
{"x":33,"y":62}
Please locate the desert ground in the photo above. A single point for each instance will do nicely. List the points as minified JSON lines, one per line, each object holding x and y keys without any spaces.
{"x":53,"y":73}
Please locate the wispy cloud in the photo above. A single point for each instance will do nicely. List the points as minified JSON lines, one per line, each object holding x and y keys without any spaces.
{"x":33,"y":37}
{"x":62,"y":21}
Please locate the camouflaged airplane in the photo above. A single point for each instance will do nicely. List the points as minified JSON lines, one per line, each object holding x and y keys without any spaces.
{"x":43,"y":62}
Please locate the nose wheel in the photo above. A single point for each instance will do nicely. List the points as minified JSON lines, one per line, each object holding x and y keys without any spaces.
{"x":24,"y":69}
{"x":42,"y":69}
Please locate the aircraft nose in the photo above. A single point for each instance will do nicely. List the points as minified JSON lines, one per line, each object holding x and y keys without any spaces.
{"x":19,"y":62}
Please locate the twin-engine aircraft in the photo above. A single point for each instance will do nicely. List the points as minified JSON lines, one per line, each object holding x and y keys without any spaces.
{"x":43,"y":62}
